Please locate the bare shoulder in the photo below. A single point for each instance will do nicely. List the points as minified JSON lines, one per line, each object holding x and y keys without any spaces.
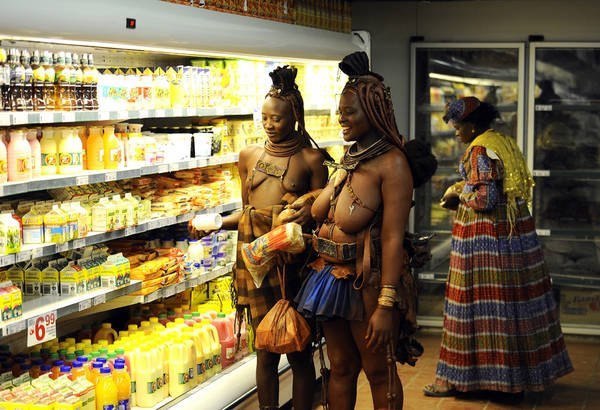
{"x":394,"y":164}
{"x":313,"y":156}
{"x":250,"y":151}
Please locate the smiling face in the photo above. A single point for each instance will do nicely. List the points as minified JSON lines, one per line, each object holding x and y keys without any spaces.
{"x":352,"y":117}
{"x":277,"y":119}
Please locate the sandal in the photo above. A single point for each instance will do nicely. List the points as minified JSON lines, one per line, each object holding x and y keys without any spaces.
{"x":435,"y":390}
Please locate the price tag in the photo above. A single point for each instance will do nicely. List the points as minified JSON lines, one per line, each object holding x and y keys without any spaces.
{"x":110,"y":176}
{"x":15,"y":328}
{"x":62,"y":247}
{"x":85,"y":304}
{"x":123,"y":115}
{"x":103,"y":115}
{"x":174,"y":167}
{"x":180,"y":287}
{"x":46,"y":117}
{"x":543,"y":107}
{"x":177,"y":112}
{"x":78,"y":243}
{"x":171,"y":220}
{"x":143,"y":114}
{"x":168,"y":292}
{"x":220,"y":111}
{"x":541,"y":172}
{"x":19,"y":118}
{"x":5,"y":119}
{"x":159,"y":113}
{"x":154,"y":224}
{"x":7,"y":260}
{"x":23,"y":256}
{"x":192,"y":164}
{"x":98,"y":300}
{"x":163,"y":168}
{"x":130,"y":231}
{"x":543,"y":232}
{"x":82,"y":180}
{"x":68,"y":117}
{"x":41,"y":328}
{"x":427,"y":276}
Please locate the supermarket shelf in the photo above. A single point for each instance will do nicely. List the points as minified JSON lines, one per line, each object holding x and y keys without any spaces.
{"x":575,"y":280}
{"x":567,"y":107}
{"x":566,"y":173}
{"x":94,"y":177}
{"x":432,"y":276}
{"x":176,"y":288}
{"x":64,"y":305}
{"x":570,"y":233}
{"x":36,"y":251}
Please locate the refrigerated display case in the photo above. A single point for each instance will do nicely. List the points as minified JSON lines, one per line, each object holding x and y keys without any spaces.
{"x":564,"y":136}
{"x":440,"y":73}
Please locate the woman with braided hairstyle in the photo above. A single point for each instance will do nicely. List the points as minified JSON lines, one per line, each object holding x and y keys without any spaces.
{"x":358,"y":285}
{"x":286,"y":172}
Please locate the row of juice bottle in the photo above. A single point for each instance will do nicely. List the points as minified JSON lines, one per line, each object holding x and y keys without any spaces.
{"x":92,"y":269}
{"x":42,"y":81}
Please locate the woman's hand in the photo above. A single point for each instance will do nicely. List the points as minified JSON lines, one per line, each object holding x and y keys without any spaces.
{"x":196,"y":234}
{"x":300,"y":215}
{"x":380,"y":329}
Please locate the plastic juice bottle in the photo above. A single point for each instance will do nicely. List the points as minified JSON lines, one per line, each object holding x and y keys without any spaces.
{"x":112,"y":152}
{"x":95,"y":373}
{"x":61,"y":83}
{"x":36,"y":153}
{"x":95,"y":149}
{"x":77,"y":370}
{"x":123,"y":384}
{"x":179,"y":377}
{"x":146,"y":380}
{"x":131,"y":356}
{"x":136,"y":146}
{"x":201,"y":353}
{"x":132,"y":328}
{"x":69,"y":152}
{"x":47,"y":62}
{"x":216,"y":345}
{"x":106,"y":332}
{"x":106,"y":391}
{"x":49,"y":152}
{"x":55,"y":371}
{"x":226,"y":339}
{"x":3,"y":163}
{"x":82,"y":134}
{"x":145,"y":327}
{"x":155,"y":324}
{"x":69,"y":359}
{"x":121,"y":356}
{"x":55,"y":226}
{"x":19,"y":157}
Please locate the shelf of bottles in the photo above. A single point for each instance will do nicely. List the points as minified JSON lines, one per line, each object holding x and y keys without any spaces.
{"x":440,"y":74}
{"x":564,"y":136}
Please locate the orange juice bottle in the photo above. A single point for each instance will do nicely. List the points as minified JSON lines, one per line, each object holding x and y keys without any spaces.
{"x":123,"y":383}
{"x":55,"y":371}
{"x":77,"y":370}
{"x":107,"y":333}
{"x":95,"y":373}
{"x":106,"y":391}
{"x":112,"y":149}
{"x":95,"y":149}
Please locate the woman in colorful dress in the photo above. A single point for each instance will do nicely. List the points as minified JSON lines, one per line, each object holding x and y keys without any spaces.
{"x":501,"y":326}
{"x":357,"y":285}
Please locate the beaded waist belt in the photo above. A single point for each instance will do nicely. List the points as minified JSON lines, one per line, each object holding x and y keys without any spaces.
{"x":340,"y":251}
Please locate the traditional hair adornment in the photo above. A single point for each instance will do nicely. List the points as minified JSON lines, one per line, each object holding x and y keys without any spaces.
{"x":460,"y":109}
{"x":284,"y":81}
{"x":375,"y":97}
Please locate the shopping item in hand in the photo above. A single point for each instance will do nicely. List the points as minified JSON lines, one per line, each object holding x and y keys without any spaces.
{"x":259,"y":255}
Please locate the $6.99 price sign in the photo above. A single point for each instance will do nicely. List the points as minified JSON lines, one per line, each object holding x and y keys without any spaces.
{"x":41,"y":328}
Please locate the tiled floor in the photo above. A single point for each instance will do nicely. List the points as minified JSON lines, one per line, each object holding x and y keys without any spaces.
{"x":579,"y":390}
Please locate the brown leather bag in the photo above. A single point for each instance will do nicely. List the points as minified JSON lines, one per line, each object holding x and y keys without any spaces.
{"x":283,"y":329}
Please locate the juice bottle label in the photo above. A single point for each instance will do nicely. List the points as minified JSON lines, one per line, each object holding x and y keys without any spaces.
{"x":151,"y":387}
{"x":108,"y":407}
{"x":123,"y":405}
{"x":115,"y":155}
{"x":133,"y":387}
{"x":23,"y":164}
{"x":65,"y":158}
{"x":48,"y":160}
{"x":3,"y":166}
{"x":201,"y":368}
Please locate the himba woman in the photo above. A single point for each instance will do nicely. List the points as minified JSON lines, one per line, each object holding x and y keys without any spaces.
{"x":501,"y":326}
{"x":285,"y":172}
{"x":356,"y":286}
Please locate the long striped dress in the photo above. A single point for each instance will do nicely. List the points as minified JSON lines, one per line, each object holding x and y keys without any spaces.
{"x":501,"y":326}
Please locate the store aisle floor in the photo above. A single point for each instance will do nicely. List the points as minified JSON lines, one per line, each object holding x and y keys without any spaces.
{"x":579,"y":390}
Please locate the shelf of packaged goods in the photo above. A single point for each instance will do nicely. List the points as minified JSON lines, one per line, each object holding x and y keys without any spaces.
{"x":567,"y":107}
{"x":567,"y":173}
{"x":235,"y":387}
{"x":427,"y":108}
{"x":176,"y":288}
{"x":64,"y":305}
{"x":59,"y":117}
{"x":36,"y":251}
{"x":94,"y":177}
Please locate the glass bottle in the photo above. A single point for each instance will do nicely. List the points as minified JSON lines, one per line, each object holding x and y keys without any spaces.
{"x":47,"y":62}
{"x":71,"y":81}
{"x":93,"y":89}
{"x":4,"y":81}
{"x":17,"y":76}
{"x":61,"y":83}
{"x":83,"y":90}
{"x":27,"y":80}
{"x":38,"y":81}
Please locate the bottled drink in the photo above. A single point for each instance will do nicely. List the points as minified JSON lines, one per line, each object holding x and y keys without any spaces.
{"x":37,"y":65}
{"x":47,"y":62}
{"x":4,"y":81}
{"x":92,"y":83}
{"x":17,"y":77}
{"x":27,"y":80}
{"x":61,"y":83}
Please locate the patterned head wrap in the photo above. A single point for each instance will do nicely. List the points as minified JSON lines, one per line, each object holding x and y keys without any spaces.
{"x":460,"y":109}
{"x":375,"y":98}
